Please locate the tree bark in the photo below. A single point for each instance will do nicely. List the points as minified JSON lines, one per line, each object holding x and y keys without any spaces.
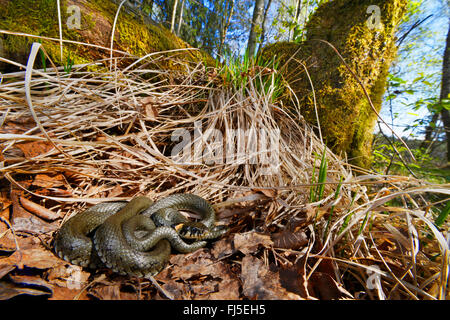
{"x":256,"y":24}
{"x":298,"y":9}
{"x":445,"y":91}
{"x":429,"y":131}
{"x":225,"y":26}
{"x":180,"y":20}
{"x":263,"y":31}
{"x":174,"y":13}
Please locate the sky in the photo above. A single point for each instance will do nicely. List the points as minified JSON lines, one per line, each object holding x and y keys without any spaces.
{"x":410,"y":68}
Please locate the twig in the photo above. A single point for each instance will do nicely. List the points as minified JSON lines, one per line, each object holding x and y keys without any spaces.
{"x":156,"y":284}
{"x":397,"y":152}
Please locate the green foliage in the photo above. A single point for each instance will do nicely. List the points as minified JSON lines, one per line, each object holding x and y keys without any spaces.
{"x":426,"y":166}
{"x":316,"y":192}
{"x":290,"y":20}
{"x":69,"y":63}
{"x":243,"y":71}
{"x":414,"y":82}
{"x":330,"y":215}
{"x":439,"y":221}
{"x":43,"y":58}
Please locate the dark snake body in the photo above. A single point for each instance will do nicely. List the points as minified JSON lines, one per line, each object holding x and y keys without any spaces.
{"x":114,"y":228}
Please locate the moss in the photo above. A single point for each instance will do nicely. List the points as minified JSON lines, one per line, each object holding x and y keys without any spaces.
{"x":41,"y":18}
{"x":140,"y":38}
{"x":37,"y":18}
{"x":346,"y":118}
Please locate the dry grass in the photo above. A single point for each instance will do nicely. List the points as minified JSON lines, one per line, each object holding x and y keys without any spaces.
{"x":109,"y":132}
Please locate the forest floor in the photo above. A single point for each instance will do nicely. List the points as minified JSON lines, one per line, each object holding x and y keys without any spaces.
{"x":304,"y":225}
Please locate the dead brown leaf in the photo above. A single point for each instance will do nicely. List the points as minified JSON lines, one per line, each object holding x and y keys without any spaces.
{"x":324,"y":287}
{"x":35,"y":148}
{"x":199,"y":276}
{"x":270,"y":193}
{"x":29,"y":223}
{"x":22,"y":220}
{"x":103,"y":292}
{"x":149,"y":105}
{"x":48,"y":181}
{"x":222,"y":248}
{"x":228,"y":290}
{"x":250,"y":241}
{"x":198,"y":263}
{"x":38,"y":210}
{"x":35,"y":287}
{"x":62,"y":293}
{"x":116,"y":191}
{"x":69,"y":276}
{"x":258,"y":282}
{"x":5,"y":269}
{"x":37,"y":257}
{"x":287,"y":239}
{"x":176,"y":289}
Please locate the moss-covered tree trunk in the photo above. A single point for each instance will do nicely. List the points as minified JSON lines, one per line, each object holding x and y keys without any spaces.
{"x":84,"y":21}
{"x":445,"y":93}
{"x":367,"y":43}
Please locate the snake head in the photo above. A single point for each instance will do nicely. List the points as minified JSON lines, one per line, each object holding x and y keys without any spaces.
{"x":198,"y":231}
{"x":192,"y":230}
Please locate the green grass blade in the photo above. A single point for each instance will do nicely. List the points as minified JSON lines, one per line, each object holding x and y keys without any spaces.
{"x":442,"y":215}
{"x":336,"y":195}
{"x":312,"y":197}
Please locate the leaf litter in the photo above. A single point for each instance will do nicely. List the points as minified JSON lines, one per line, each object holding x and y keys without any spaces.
{"x":95,"y":135}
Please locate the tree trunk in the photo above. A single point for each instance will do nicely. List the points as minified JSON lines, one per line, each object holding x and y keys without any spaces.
{"x":298,"y":9}
{"x":174,"y":13}
{"x":142,"y":34}
{"x":180,"y":20}
{"x":337,"y":102}
{"x":256,"y":24}
{"x":263,"y":31}
{"x":225,"y":26}
{"x":429,"y":131}
{"x":445,"y":91}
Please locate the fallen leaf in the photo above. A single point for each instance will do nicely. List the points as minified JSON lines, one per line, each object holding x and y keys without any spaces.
{"x":32,"y":224}
{"x":198,"y":263}
{"x":8,"y":244}
{"x":116,"y":191}
{"x":250,"y":241}
{"x":324,"y":287}
{"x":151,"y":111}
{"x":228,"y":290}
{"x":10,"y":290}
{"x":287,"y":239}
{"x":270,"y":193}
{"x":198,"y":276}
{"x":22,"y":220}
{"x":5,"y":269}
{"x":289,"y":279}
{"x":39,"y":258}
{"x":222,"y":248}
{"x":62,"y":293}
{"x":176,"y":289}
{"x":258,"y":282}
{"x":106,"y":292}
{"x":68,"y":276}
{"x":34,"y":148}
{"x":47,"y":181}
{"x":38,"y":210}
{"x":5,"y":203}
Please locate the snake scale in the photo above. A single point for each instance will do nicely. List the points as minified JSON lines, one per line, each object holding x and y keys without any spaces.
{"x":136,"y":238}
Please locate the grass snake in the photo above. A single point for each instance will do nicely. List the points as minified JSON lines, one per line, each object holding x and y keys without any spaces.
{"x":136,"y":238}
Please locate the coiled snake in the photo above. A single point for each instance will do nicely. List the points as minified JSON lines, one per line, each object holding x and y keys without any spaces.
{"x":135,"y":238}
